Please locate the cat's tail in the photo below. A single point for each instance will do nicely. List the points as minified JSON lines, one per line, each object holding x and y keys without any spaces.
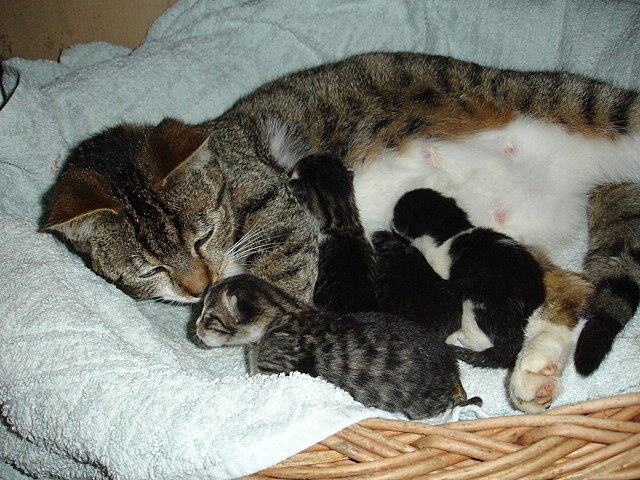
{"x":614,"y":302}
{"x":492,"y":357}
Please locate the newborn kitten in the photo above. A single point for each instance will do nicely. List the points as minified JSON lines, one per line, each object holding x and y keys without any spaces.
{"x":407,"y":285}
{"x":324,"y":186}
{"x":382,"y":361}
{"x":499,"y":281}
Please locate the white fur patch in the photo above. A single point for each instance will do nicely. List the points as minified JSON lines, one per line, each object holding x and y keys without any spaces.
{"x":437,"y":255}
{"x":540,"y":187}
{"x":285,"y":147}
{"x":540,"y":363}
{"x":470,"y":335}
{"x":232,"y":268}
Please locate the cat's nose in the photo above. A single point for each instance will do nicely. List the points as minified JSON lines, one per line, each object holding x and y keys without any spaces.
{"x":196,"y":279}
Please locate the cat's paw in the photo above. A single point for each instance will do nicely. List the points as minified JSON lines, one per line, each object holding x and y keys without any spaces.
{"x":534,"y":383}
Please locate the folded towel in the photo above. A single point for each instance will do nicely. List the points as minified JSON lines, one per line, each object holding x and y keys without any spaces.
{"x":94,"y":384}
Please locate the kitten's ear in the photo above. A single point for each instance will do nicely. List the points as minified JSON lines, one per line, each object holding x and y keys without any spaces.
{"x":178,"y":147}
{"x":77,"y":202}
{"x":297,"y":190}
{"x":231,"y":302}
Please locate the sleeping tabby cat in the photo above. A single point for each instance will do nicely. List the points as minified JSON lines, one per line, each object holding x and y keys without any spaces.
{"x":165,"y":210}
{"x":383,"y":361}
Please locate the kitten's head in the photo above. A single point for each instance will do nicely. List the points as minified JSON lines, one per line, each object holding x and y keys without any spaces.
{"x":238,"y":310}
{"x":148,"y":208}
{"x":427,"y":212}
{"x":324,"y":186}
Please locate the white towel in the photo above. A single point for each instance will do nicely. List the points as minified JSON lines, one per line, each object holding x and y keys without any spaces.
{"x":94,"y":384}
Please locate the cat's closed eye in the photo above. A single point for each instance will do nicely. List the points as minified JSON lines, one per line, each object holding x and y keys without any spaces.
{"x":201,"y":242}
{"x":154,"y":271}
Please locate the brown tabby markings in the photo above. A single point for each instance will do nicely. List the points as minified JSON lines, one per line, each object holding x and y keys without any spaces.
{"x":613,"y":264}
{"x":566,"y":292}
{"x":354,"y":109}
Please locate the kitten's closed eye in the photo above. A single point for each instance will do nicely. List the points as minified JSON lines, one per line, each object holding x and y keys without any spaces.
{"x":211,"y":321}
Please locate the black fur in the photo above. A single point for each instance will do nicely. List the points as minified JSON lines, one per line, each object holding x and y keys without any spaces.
{"x":615,"y":301}
{"x":345,"y":281}
{"x":406,"y":285}
{"x":499,"y":276}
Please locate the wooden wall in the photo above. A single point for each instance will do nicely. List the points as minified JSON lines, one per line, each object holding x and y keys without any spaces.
{"x":41,"y":28}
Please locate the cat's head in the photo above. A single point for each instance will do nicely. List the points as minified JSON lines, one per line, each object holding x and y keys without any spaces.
{"x":238,"y":310}
{"x":148,"y":209}
{"x":324,"y":186}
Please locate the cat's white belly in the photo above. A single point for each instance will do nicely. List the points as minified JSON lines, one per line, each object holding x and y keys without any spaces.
{"x":529,"y":180}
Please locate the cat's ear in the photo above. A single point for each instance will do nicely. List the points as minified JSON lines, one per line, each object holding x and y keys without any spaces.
{"x":77,"y":202}
{"x":294,"y":185}
{"x":178,"y":148}
{"x":231,"y":302}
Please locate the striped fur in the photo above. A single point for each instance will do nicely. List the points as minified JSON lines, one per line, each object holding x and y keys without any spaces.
{"x":613,"y":263}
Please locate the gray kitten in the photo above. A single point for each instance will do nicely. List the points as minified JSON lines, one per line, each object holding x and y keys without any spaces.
{"x":381,"y":360}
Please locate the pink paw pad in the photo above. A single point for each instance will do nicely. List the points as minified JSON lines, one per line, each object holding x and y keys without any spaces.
{"x":550,"y":369}
{"x":544,"y":394}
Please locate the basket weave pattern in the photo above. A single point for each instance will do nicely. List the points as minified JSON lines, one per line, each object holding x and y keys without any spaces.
{"x":597,"y":439}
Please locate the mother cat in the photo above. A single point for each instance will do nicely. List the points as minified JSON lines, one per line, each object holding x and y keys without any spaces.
{"x":163,"y":211}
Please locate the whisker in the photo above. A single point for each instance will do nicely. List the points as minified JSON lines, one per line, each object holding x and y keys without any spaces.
{"x":253,"y":250}
{"x":248,"y":237}
{"x":252,"y":240}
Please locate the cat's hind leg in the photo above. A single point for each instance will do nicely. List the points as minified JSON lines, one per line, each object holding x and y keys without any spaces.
{"x":536,"y":378}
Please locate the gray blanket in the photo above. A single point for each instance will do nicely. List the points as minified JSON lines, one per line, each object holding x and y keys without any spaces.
{"x":94,"y":384}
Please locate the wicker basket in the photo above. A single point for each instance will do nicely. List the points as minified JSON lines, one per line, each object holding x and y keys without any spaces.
{"x":597,"y":439}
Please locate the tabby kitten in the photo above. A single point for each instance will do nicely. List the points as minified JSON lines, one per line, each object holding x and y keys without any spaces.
{"x":157,"y":209}
{"x":324,"y":186}
{"x":382,"y":361}
{"x":499,"y":282}
{"x":613,"y":264}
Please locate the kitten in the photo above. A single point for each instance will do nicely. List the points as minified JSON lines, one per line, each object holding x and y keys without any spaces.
{"x":324,"y":186}
{"x":499,"y":282}
{"x":519,"y":309}
{"x":382,"y":361}
{"x":164,"y":210}
{"x":406,"y":285}
{"x":613,"y":264}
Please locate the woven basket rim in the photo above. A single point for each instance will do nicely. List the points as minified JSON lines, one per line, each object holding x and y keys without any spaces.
{"x":592,"y":439}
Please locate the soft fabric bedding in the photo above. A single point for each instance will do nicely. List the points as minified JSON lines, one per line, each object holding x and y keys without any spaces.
{"x":95,"y":384}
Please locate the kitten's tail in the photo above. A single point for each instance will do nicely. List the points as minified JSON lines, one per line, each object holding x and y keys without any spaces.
{"x":493,"y":357}
{"x":613,"y":304}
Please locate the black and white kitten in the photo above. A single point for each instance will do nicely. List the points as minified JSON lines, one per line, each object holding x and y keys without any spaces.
{"x":407,"y":285}
{"x":382,"y":361}
{"x":499,"y":281}
{"x":345,"y":281}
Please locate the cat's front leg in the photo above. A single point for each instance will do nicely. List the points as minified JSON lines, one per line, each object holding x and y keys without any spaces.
{"x":536,"y":378}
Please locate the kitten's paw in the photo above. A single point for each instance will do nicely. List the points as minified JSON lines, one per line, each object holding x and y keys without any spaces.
{"x":534,"y":383}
